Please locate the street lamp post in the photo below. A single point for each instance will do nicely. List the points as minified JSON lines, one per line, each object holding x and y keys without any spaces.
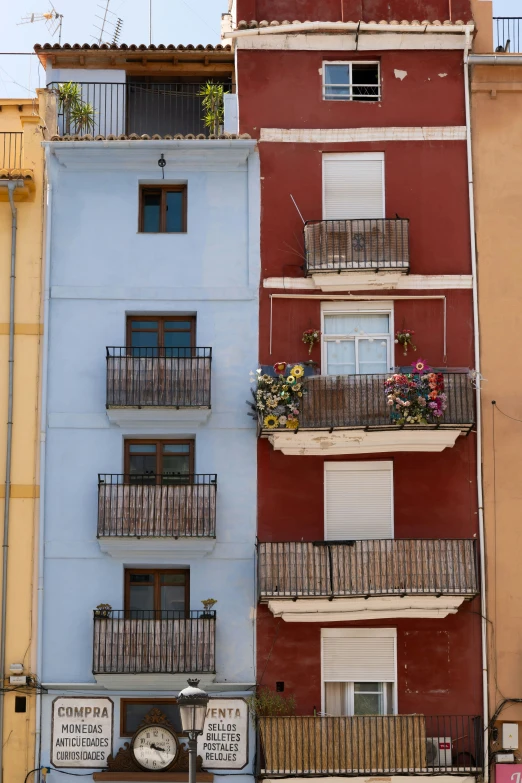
{"x":192,"y":703}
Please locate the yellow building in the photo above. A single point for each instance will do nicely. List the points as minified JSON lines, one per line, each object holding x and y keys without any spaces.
{"x":496,"y":114}
{"x":21,"y":209}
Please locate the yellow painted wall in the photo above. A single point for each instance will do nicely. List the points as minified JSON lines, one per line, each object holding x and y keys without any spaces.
{"x":21,"y":116}
{"x":496,"y":96}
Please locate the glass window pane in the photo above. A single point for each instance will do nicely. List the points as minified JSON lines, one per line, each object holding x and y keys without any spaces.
{"x":176,"y":448}
{"x":173,"y":579}
{"x":174,"y":222}
{"x":182,"y":325}
{"x":144,"y":324}
{"x":178,"y":344}
{"x":143,"y":468}
{"x":373,"y":356}
{"x":337,"y":82}
{"x":141,"y":597}
{"x":336,"y":698}
{"x":151,"y":201}
{"x":365,"y":73}
{"x":142,"y":448}
{"x":135,"y":712}
{"x":368,"y":687}
{"x":175,"y":468}
{"x":340,"y":357}
{"x":357,"y":323}
{"x":173,"y":598}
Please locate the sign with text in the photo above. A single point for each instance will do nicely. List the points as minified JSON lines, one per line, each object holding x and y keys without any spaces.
{"x":81,"y":732}
{"x":508,"y":773}
{"x":224,"y":744}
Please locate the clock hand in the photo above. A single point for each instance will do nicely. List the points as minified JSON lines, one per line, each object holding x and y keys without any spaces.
{"x":155,"y":747}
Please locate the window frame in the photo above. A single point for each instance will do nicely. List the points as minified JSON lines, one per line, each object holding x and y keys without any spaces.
{"x":157,"y":586}
{"x":124,"y":732}
{"x":164,"y":189}
{"x":161,"y":319}
{"x":159,"y":443}
{"x":351,"y":63}
{"x":362,"y":308}
{"x":379,"y":633}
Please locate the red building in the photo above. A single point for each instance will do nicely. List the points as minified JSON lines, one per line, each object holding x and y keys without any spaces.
{"x":369,"y":606}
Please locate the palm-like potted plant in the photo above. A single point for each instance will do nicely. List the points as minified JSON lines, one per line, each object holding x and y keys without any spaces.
{"x":78,"y":116}
{"x":213,"y":106}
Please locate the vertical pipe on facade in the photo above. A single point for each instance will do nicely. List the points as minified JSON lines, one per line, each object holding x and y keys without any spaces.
{"x":43,"y":422}
{"x":8,"y":453}
{"x":482,"y":536}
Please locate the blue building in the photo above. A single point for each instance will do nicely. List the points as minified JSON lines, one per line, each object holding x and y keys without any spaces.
{"x":148,"y":467}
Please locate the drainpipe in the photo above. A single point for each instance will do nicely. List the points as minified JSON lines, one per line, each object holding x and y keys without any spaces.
{"x":480,"y":500}
{"x":11,"y":185}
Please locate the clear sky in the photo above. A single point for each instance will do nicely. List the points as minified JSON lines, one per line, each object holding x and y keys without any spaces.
{"x":173,"y":21}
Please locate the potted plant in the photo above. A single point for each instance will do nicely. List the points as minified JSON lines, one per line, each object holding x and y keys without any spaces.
{"x":103,"y":610}
{"x":78,"y":116}
{"x":311,"y":337}
{"x":208,"y":604}
{"x":213,"y":107}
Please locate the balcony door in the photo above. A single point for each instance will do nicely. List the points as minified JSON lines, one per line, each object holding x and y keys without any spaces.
{"x":171,"y":336}
{"x":157,"y":593}
{"x":357,"y":340}
{"x":164,"y":462}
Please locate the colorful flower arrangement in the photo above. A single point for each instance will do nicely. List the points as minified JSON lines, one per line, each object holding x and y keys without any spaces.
{"x":311,"y":337}
{"x":417,"y":397}
{"x":278,"y":398}
{"x":404,"y":337}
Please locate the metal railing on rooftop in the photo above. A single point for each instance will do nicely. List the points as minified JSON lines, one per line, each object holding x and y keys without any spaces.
{"x":506,"y":33}
{"x":147,"y":641}
{"x":356,"y":245}
{"x":335,"y":569}
{"x":11,"y":151}
{"x":168,"y":108}
{"x":164,"y":377}
{"x":151,"y":506}
{"x":371,"y":745}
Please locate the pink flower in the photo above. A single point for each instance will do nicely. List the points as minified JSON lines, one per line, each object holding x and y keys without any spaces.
{"x":420,"y":366}
{"x":280,"y":367}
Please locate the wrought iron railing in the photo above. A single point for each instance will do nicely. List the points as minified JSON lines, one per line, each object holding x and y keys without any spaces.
{"x":160,"y":642}
{"x":11,"y":151}
{"x":150,"y":506}
{"x":164,"y":377}
{"x":332,"y":402}
{"x":169,"y":108}
{"x":371,"y":744}
{"x":506,"y":33}
{"x":335,"y":569}
{"x":357,"y":245}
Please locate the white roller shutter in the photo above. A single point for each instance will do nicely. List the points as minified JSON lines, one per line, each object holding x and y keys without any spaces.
{"x":358,"y":500}
{"x":353,"y":186}
{"x":365,"y":656}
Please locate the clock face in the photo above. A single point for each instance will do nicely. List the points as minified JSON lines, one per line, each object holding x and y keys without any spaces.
{"x":155,"y":748}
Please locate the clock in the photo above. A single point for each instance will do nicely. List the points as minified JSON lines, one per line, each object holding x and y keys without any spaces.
{"x":155,"y":747}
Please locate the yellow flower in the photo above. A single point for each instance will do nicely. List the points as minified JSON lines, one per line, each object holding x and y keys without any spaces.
{"x":292,"y":424}
{"x":297,"y":387}
{"x":270,"y":421}
{"x":272,"y":403}
{"x":297,"y":371}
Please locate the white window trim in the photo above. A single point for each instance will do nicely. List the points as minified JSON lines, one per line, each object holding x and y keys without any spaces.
{"x":342,"y":308}
{"x":355,"y":156}
{"x":351,"y":85}
{"x":359,"y":466}
{"x":347,"y":633}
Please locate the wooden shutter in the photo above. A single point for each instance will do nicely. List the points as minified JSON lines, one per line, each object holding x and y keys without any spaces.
{"x":358,"y":655}
{"x":353,"y":186}
{"x":358,"y":500}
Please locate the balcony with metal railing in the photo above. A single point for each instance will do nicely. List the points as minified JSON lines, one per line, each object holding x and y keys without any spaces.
{"x":298,"y":746}
{"x":135,"y":108}
{"x":147,"y":515}
{"x":156,"y":384}
{"x":350,"y":414}
{"x":367,"y":253}
{"x":146,"y":648}
{"x":12,"y":166}
{"x":336,"y":580}
{"x":506,"y":34}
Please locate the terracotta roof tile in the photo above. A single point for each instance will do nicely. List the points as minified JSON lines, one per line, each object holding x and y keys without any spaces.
{"x":132,"y":47}
{"x":145,"y":137}
{"x":253,"y":24}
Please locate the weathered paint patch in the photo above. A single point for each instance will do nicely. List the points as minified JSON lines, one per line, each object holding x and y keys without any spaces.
{"x":443,"y":75}
{"x":400,"y":74}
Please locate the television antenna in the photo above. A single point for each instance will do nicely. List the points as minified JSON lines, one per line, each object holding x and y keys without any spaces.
{"x":53,"y":21}
{"x":106,"y":24}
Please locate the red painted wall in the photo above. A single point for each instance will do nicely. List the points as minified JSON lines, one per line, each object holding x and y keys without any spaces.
{"x":438,"y":661}
{"x":281,"y":89}
{"x":353,"y":10}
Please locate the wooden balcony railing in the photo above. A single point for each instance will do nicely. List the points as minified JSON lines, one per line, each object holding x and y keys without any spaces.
{"x":130,"y":505}
{"x":356,"y":245}
{"x":158,"y":377}
{"x":160,"y":642}
{"x":368,"y":568}
{"x":11,"y":153}
{"x":387,"y":744}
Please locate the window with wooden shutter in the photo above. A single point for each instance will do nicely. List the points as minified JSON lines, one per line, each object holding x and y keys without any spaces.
{"x":353,"y":186}
{"x":359,"y":670}
{"x":358,"y":500}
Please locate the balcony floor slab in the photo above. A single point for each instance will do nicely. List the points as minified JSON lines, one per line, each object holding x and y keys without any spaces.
{"x":322,"y":443}
{"x":353,"y":280}
{"x":455,"y":777}
{"x":152,"y":682}
{"x":155,"y":550}
{"x":157,"y":416}
{"x":320,"y":610}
